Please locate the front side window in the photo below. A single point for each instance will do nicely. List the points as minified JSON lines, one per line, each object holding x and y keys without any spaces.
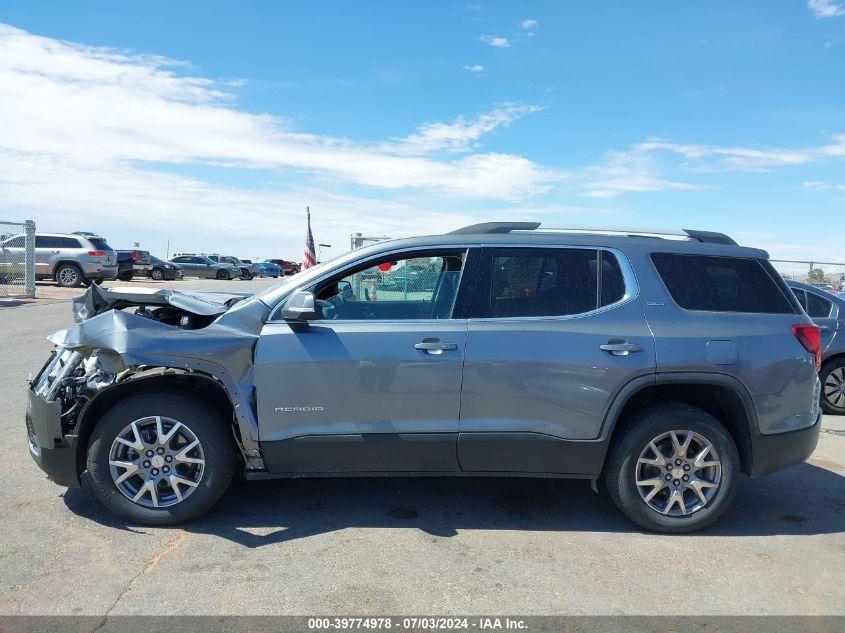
{"x":721,"y":284}
{"x":46,"y":241}
{"x":406,"y":288}
{"x":532,"y":282}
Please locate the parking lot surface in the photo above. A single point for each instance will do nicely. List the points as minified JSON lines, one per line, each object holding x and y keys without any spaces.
{"x":398,"y":545}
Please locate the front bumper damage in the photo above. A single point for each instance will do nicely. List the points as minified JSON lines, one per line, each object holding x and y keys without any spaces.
{"x":207,"y":335}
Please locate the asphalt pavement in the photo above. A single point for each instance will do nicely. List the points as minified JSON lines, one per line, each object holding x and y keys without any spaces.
{"x":397,"y":545}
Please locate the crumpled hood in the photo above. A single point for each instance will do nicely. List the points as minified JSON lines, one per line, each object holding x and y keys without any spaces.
{"x":97,"y":300}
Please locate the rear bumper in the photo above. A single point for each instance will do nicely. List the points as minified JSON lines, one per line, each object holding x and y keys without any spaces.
{"x":56,"y":457}
{"x":99,"y":272}
{"x":773,"y":452}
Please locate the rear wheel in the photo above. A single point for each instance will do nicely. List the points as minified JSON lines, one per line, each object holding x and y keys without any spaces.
{"x":832,"y":377}
{"x":68,"y":275}
{"x":126,"y":276}
{"x":223,"y":274}
{"x":160,"y":459}
{"x":673,"y":468}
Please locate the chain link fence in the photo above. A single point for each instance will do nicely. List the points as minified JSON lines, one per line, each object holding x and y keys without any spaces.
{"x":827,"y":275}
{"x":17,"y":259}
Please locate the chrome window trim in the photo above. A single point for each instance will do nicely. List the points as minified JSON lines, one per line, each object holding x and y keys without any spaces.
{"x":356,"y":264}
{"x":632,"y":288}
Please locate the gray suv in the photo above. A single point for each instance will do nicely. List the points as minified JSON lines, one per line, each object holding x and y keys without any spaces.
{"x":69,"y":259}
{"x":828,"y":312}
{"x":660,"y":366}
{"x":201,"y":266}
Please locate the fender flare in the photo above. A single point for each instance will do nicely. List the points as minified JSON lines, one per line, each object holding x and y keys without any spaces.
{"x":631,"y":388}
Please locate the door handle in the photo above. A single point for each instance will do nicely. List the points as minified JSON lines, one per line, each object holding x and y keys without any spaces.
{"x":434,"y":346}
{"x":620,"y":348}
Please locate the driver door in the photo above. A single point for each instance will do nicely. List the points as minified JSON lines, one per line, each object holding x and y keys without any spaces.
{"x":373,"y":384}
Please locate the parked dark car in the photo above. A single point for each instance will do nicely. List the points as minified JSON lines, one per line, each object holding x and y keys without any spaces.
{"x":161,"y":270}
{"x":828,"y":312}
{"x":125,"y":266}
{"x":140,"y":263}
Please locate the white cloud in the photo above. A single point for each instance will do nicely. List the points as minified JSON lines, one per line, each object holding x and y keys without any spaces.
{"x":462,"y":135}
{"x":529,"y":24}
{"x":717,"y":158}
{"x":474,"y":68}
{"x":826,"y":8}
{"x":823,"y":186}
{"x":495,"y":41}
{"x":93,"y":107}
{"x":837,"y":148}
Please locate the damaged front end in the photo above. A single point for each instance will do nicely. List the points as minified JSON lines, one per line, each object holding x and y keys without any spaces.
{"x":125,"y":340}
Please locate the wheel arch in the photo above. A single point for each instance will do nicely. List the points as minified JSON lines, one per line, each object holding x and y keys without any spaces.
{"x":61,"y":262}
{"x":154,"y":381}
{"x":722,"y":396}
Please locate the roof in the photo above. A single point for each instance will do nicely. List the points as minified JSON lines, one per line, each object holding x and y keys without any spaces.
{"x":528,"y":233}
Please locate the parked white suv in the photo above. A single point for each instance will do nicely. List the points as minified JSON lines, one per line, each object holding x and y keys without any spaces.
{"x":69,"y":259}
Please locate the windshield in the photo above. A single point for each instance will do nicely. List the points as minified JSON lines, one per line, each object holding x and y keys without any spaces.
{"x":301,"y":279}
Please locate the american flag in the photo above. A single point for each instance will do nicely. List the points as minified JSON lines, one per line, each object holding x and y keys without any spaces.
{"x":309,"y":258}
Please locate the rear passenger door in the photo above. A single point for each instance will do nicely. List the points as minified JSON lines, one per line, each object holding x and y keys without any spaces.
{"x":559,"y":331}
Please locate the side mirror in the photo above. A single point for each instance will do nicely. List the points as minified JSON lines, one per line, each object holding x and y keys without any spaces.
{"x":344,"y":289}
{"x":300,"y":306}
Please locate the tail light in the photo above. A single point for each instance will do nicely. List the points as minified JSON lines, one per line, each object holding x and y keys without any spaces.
{"x":810,"y":336}
{"x":97,"y":253}
{"x":133,"y":255}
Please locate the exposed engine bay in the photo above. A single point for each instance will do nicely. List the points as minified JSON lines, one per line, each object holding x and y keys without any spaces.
{"x":122,"y":336}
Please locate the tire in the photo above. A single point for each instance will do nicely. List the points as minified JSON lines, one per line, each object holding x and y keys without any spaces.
{"x":199,"y":421}
{"x":223,"y":274}
{"x":156,"y":274}
{"x":127,"y":276}
{"x":68,"y":276}
{"x":632,"y":441}
{"x":832,"y":377}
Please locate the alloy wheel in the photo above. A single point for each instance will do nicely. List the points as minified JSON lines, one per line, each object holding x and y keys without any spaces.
{"x":156,"y":461}
{"x":678,"y":473}
{"x":834,"y":388}
{"x":68,"y":276}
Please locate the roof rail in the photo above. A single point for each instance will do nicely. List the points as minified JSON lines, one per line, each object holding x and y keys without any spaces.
{"x":487,"y":228}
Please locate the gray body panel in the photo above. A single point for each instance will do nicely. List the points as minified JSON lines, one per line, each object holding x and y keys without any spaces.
{"x":515,"y":396}
{"x":833,"y":325}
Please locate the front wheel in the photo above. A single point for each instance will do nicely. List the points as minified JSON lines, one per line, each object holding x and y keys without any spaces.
{"x":673,"y":469}
{"x":156,"y":274}
{"x":832,"y":377}
{"x":223,"y":274}
{"x":160,"y":459}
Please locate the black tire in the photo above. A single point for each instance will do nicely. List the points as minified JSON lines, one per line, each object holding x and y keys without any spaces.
{"x":68,"y":276}
{"x":642,"y":427}
{"x":210,"y":428}
{"x":126,"y":276}
{"x":223,"y":274}
{"x":157,"y":274}
{"x":832,"y":376}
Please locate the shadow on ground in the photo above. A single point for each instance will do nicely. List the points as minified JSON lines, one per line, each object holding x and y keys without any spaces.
{"x":804,"y":500}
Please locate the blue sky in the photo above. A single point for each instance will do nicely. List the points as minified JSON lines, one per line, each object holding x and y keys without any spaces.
{"x":212,"y":124}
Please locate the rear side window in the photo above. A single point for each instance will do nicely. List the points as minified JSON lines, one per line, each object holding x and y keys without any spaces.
{"x":721,"y":284}
{"x":69,"y":242}
{"x":16,"y":242}
{"x":543,"y":282}
{"x":817,"y":307}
